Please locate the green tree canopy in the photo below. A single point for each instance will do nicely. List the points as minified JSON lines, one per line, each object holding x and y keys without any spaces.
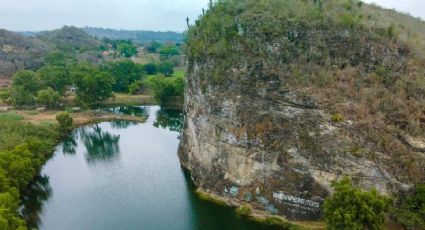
{"x":48,"y":97}
{"x":124,"y":73}
{"x":163,"y":88}
{"x":127,"y":49}
{"x":411,"y":208}
{"x":65,"y":121}
{"x":26,"y":80}
{"x":166,"y":68}
{"x":94,"y":86}
{"x":352,"y":208}
{"x":60,"y":59}
{"x":151,"y":68}
{"x":169,"y":50}
{"x":55,"y":77}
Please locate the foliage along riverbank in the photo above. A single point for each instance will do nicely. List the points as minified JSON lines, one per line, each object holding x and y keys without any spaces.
{"x":27,"y":141}
{"x":24,"y":148}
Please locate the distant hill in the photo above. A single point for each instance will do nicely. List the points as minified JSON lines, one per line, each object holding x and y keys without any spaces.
{"x":20,"y":52}
{"x":69,"y":39}
{"x":26,"y":50}
{"x":135,"y":35}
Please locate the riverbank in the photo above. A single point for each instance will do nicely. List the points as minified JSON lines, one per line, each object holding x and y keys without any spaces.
{"x":245,"y":210}
{"x":80,"y":118}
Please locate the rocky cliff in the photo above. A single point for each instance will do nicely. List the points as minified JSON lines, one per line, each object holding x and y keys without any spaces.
{"x":283,"y":97}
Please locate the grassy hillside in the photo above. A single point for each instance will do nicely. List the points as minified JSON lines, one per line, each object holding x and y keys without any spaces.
{"x":19,"y":52}
{"x":69,"y":39}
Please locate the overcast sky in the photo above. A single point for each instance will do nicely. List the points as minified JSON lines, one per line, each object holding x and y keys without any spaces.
{"x":163,"y":15}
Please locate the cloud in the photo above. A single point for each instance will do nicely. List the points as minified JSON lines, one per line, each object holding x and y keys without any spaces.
{"x":413,"y":7}
{"x":30,"y":15}
{"x":33,"y":15}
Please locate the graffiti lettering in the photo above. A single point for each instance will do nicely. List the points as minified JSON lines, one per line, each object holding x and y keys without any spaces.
{"x":282,"y":197}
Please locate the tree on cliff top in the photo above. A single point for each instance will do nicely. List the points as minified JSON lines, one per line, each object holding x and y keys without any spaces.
{"x":352,"y":208}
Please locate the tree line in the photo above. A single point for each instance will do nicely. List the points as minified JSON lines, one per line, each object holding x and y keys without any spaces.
{"x":93,"y":84}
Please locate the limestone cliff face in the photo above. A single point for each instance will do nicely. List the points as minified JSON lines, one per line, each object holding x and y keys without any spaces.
{"x":274,"y":150}
{"x":257,"y":137}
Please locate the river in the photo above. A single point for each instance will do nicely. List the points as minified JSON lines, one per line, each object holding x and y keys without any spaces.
{"x":123,"y":175}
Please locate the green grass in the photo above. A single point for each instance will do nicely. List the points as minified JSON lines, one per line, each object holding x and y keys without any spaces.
{"x":7,"y":117}
{"x":179,"y":72}
{"x":207,"y":197}
{"x":244,"y":210}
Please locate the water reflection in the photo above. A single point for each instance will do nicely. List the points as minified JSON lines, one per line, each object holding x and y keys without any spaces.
{"x":69,"y":144}
{"x":34,"y":200}
{"x":171,"y":119}
{"x":129,"y":110}
{"x":118,"y":124}
{"x":100,"y":145}
{"x":144,"y":189}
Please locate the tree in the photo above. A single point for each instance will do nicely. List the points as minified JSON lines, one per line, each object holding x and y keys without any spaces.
{"x":151,"y":68}
{"x":352,"y":208}
{"x":59,"y":59}
{"x":165,"y":88}
{"x":153,"y":47}
{"x":134,"y":87}
{"x":124,"y":73}
{"x":126,"y":49}
{"x":26,"y":80}
{"x":166,"y":68}
{"x":65,"y":121}
{"x":48,"y":97}
{"x":55,"y":77}
{"x":20,"y":97}
{"x":169,"y":50}
{"x":411,"y":208}
{"x":94,"y":86}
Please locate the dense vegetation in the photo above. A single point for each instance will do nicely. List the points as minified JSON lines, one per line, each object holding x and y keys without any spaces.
{"x":69,"y":39}
{"x":351,"y":208}
{"x":165,"y":89}
{"x":19,"y":52}
{"x":23,"y":150}
{"x":411,"y":208}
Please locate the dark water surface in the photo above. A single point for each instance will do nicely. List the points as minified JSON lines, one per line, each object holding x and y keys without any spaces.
{"x":123,"y":175}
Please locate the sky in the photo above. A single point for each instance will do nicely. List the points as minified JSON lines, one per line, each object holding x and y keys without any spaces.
{"x":158,"y":15}
{"x":413,"y":7}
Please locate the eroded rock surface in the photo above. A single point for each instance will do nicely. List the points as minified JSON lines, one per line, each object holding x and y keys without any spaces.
{"x":260,"y":123}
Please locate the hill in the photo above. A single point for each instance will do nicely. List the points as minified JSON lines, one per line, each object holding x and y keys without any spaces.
{"x":19,"y":52}
{"x":27,"y":50}
{"x":69,"y":39}
{"x":283,"y":97}
{"x":135,"y":35}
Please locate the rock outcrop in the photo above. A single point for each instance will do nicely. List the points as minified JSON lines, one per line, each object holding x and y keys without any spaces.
{"x":257,"y":136}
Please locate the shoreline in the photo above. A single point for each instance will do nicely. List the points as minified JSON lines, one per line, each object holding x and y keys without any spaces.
{"x":245,"y":210}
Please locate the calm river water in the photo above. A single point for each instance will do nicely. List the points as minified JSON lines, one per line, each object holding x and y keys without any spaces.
{"x":123,"y":175}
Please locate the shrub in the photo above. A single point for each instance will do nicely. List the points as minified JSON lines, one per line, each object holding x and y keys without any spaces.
{"x":411,"y":210}
{"x":151,"y":68}
{"x":134,"y":87}
{"x":20,"y":97}
{"x":66,"y":123}
{"x":244,"y":210}
{"x":164,"y":88}
{"x":352,"y":208}
{"x":166,"y":68}
{"x":337,"y":117}
{"x":48,"y":97}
